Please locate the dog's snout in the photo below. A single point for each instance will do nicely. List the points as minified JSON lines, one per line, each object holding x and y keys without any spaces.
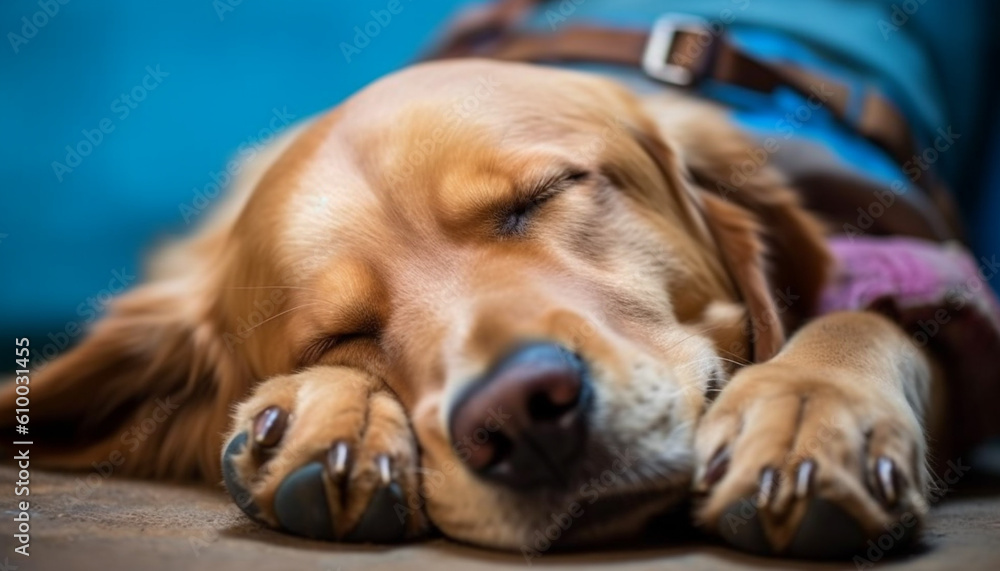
{"x":524,"y":423}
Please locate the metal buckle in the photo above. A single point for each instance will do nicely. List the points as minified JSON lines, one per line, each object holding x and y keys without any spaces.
{"x":661,"y":42}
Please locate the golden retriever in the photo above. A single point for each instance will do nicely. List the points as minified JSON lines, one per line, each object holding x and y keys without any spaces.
{"x":492,"y":298}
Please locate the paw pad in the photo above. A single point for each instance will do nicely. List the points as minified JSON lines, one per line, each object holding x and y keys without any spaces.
{"x":308,"y":500}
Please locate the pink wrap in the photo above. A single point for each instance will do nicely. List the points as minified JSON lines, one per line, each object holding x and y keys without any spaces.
{"x":943,"y":298}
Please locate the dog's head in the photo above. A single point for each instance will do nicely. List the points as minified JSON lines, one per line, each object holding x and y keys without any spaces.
{"x":542,"y":268}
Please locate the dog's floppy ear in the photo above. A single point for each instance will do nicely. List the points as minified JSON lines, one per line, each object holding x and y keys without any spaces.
{"x":774,"y":251}
{"x":145,"y":393}
{"x":737,"y":237}
{"x":148,"y":391}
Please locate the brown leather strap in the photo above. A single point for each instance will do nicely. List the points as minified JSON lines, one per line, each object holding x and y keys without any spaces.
{"x":706,"y":56}
{"x":700,"y":53}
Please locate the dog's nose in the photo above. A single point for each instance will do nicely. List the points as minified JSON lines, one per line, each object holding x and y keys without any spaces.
{"x":524,"y":423}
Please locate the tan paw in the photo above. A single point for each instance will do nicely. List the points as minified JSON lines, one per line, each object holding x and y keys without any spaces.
{"x":807,"y":465}
{"x":327,"y":453}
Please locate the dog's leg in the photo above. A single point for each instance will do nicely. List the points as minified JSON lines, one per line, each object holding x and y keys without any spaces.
{"x":822,"y":448}
{"x":326,"y":453}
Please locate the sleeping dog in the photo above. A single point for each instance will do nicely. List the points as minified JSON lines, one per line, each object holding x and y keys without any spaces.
{"x":482,"y":297}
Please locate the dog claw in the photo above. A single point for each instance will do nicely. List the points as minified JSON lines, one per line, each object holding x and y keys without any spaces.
{"x":300,"y":503}
{"x":230,"y":477}
{"x":768,"y":484}
{"x":384,"y":469}
{"x":803,"y":479}
{"x":381,"y":522}
{"x":885,"y":480}
{"x":715,"y":470}
{"x":269,"y":427}
{"x":336,"y":461}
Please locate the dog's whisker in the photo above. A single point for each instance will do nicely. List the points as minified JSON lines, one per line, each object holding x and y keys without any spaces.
{"x":742,"y":361}
{"x":696,"y":333}
{"x":701,"y":361}
{"x":688,"y":338}
{"x":276,"y":287}
{"x":704,"y":330}
{"x":316,"y":291}
{"x":283,"y":313}
{"x":733,"y":361}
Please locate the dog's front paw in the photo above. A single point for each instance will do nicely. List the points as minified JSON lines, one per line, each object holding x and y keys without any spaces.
{"x":326,"y":454}
{"x":798,"y":463}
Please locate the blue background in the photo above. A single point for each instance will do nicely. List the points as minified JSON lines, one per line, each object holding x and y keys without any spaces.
{"x":61,"y":242}
{"x":64,"y":239}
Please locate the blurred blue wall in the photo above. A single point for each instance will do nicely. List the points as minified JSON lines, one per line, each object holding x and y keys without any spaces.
{"x":223,"y":71}
{"x":218,"y":74}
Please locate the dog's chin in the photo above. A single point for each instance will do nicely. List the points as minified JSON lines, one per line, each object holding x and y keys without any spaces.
{"x":583,"y":526}
{"x":548,"y":522}
{"x":617,"y":518}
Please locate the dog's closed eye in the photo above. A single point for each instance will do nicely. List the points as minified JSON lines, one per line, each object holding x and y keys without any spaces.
{"x":319,"y":347}
{"x":514,"y":221}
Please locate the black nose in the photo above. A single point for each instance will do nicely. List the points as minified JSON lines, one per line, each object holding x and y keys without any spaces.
{"x":524,"y":423}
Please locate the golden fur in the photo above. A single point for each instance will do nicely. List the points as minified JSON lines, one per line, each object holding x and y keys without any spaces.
{"x":356,"y":276}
